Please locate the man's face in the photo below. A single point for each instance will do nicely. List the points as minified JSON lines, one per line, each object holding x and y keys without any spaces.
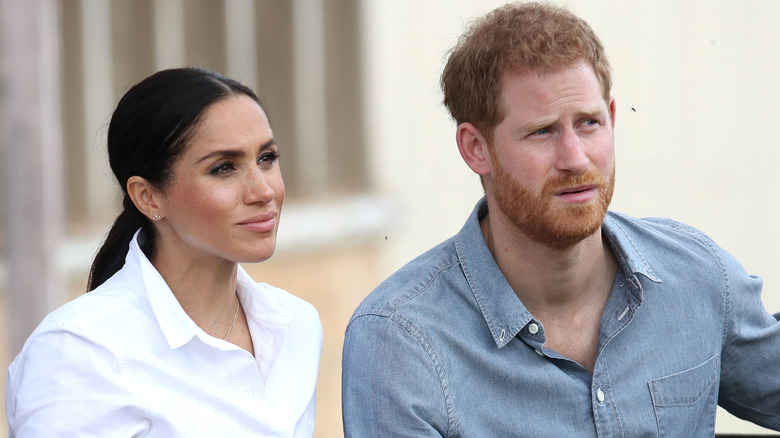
{"x":552,"y":161}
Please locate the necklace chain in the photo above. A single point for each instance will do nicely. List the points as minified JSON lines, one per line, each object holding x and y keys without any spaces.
{"x":232,"y":324}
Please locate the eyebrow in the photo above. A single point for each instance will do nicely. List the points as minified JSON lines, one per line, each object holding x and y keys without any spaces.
{"x":595,"y":112}
{"x":543,"y":123}
{"x":234,"y":152}
{"x":537,"y":125}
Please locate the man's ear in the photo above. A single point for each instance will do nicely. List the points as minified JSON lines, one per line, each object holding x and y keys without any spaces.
{"x":145,"y":197}
{"x":473,"y":148}
{"x":612,"y":111}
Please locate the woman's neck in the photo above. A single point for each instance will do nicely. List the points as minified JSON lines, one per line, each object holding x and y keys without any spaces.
{"x":205,"y":286}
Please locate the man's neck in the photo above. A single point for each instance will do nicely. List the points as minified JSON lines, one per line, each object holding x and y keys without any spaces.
{"x":545,"y":275}
{"x":565,"y":289}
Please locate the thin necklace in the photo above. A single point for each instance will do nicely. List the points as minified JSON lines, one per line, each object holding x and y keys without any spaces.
{"x":230,"y":329}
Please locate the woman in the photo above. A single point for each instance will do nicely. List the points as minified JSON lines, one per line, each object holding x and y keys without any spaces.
{"x":175,"y":339}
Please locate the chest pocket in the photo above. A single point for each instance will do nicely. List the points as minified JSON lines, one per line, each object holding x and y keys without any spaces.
{"x":685,"y":402}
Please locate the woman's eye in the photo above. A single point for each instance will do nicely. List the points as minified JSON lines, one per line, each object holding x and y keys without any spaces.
{"x":222,"y":169}
{"x":268,"y":158}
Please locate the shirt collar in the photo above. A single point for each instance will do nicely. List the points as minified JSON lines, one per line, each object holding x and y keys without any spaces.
{"x":177,"y":327}
{"x":504,"y":313}
{"x":262,"y":310}
{"x":259,"y":305}
{"x":626,"y":249}
{"x":268,"y":320}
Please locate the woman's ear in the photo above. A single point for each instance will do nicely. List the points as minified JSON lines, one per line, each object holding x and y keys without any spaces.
{"x":145,"y":197}
{"x":473,"y":148}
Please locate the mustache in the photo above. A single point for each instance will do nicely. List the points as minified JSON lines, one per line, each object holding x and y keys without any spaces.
{"x":560,"y":182}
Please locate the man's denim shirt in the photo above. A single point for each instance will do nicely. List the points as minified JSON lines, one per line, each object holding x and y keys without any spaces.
{"x":445,"y":348}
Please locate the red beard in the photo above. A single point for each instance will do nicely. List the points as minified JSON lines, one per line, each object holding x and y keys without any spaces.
{"x":540,"y":219}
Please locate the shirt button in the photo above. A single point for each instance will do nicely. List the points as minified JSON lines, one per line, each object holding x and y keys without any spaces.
{"x":600,"y":396}
{"x":533,"y":328}
{"x":539,"y":352}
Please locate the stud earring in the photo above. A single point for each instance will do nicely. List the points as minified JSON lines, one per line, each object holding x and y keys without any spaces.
{"x":156,"y":217}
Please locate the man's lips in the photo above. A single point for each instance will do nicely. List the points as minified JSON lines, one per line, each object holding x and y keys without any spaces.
{"x":578,"y":194}
{"x":261,"y":223}
{"x":574,"y":190}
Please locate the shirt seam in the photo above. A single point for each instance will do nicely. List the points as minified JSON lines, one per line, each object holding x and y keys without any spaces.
{"x":426,"y":286}
{"x":441,"y":373}
{"x":429,"y":350}
{"x":388,"y":310}
{"x":121,"y":363}
{"x":726,"y":281}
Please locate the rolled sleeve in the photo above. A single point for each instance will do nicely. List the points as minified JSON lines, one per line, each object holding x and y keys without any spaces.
{"x":750,"y":382}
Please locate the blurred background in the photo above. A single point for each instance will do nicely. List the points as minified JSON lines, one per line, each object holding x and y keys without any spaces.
{"x":368,"y":153}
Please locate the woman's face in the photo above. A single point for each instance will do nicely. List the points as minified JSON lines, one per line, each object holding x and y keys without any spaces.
{"x":226,"y":192}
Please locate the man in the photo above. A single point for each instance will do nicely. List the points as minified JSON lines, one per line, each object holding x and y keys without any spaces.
{"x":546,"y":315}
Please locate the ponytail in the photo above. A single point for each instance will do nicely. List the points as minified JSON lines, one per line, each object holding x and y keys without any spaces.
{"x":111,"y":256}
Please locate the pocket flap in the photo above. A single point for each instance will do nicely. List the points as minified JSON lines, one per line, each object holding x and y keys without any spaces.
{"x":687,"y":387}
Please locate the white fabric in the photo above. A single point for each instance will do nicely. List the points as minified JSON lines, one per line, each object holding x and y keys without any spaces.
{"x":125,"y":360}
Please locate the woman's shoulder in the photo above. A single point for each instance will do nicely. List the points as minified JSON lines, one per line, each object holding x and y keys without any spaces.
{"x":272,"y":303}
{"x":292,"y":302}
{"x":107,"y":306}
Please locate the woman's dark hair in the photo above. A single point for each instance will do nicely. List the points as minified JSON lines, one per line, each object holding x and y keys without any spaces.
{"x":148,"y":132}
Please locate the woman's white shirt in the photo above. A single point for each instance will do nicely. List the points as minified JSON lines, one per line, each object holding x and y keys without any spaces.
{"x":125,"y":360}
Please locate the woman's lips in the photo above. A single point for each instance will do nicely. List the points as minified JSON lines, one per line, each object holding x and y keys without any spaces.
{"x":261,"y":223}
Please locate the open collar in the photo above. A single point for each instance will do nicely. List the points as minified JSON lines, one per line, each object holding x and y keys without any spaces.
{"x":504,"y":313}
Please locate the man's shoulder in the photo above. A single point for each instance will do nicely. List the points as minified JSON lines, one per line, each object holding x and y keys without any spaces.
{"x":414,"y":282}
{"x":661,"y":240}
{"x":652,"y":228}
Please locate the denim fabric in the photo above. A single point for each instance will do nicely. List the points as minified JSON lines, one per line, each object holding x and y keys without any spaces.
{"x":445,"y":348}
